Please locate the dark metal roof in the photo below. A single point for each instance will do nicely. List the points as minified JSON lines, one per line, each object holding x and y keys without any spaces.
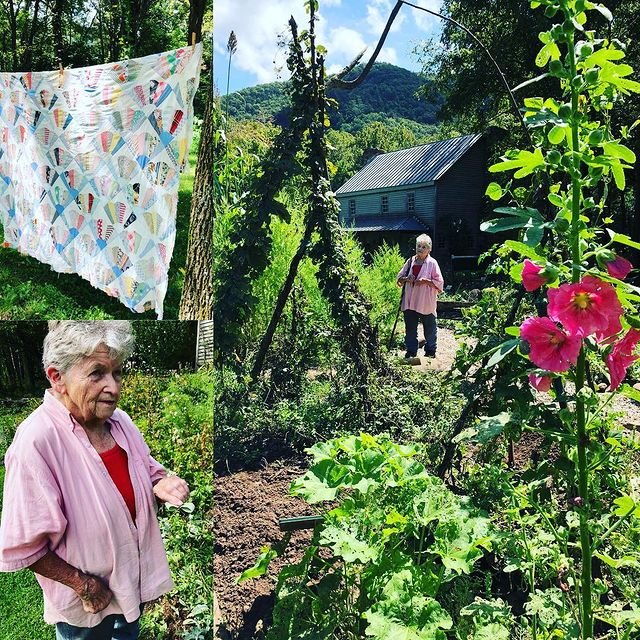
{"x":417,"y":165}
{"x":385,"y":223}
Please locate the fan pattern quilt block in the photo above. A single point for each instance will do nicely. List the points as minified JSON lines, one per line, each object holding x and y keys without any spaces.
{"x":90,"y":162}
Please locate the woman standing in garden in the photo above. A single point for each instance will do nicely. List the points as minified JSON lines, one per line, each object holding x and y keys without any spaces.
{"x":422,"y":281}
{"x":79,"y":506}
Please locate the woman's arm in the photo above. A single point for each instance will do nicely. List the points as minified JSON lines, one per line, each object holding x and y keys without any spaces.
{"x":92,"y":591}
{"x":404,"y":273}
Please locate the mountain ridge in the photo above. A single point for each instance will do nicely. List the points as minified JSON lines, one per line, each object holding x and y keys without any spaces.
{"x":388,"y":92}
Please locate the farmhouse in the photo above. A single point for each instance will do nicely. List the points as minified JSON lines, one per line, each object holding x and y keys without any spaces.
{"x":434,"y":188}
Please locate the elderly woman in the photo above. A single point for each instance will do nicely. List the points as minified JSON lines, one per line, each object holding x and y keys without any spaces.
{"x":79,"y":505}
{"x":422,"y":281}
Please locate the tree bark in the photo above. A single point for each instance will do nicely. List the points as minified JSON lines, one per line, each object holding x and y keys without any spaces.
{"x":56,"y":21}
{"x":27,"y":60}
{"x":197,"y":293}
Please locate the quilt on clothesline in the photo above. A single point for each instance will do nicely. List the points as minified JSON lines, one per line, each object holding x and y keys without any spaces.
{"x":89,"y":169}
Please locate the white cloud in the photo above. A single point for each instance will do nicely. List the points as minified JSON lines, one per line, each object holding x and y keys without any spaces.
{"x":256,"y":26}
{"x":423,"y":20}
{"x":388,"y":54}
{"x":378,"y":12}
{"x":343,"y":45}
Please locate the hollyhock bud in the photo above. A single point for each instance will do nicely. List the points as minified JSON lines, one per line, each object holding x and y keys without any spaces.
{"x":531,"y":276}
{"x":619,"y":267}
{"x":540,"y":382}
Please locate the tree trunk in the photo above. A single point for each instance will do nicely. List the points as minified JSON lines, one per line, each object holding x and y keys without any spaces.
{"x":196,"y":18}
{"x":14,"y":33}
{"x":28,"y":51}
{"x":197,"y":293}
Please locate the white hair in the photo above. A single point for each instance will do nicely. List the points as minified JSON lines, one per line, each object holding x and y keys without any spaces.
{"x":426,"y":239}
{"x":70,"y":341}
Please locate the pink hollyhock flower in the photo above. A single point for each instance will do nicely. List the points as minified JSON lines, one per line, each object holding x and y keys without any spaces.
{"x":621,"y":357}
{"x":550,"y":347}
{"x":619,"y":267}
{"x":586,"y":307}
{"x":540,"y":383}
{"x":531,"y":278}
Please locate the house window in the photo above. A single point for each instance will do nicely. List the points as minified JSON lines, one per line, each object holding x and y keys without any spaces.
{"x":352,"y":209}
{"x":411,"y":202}
{"x":385,"y":204}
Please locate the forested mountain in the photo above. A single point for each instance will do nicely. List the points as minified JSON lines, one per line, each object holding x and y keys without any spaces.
{"x":387,"y":92}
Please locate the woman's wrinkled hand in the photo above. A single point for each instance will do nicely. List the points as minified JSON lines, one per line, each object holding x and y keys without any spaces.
{"x":171,"y":489}
{"x":94,"y":594}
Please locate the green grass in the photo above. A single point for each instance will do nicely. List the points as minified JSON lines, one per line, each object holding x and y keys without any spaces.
{"x":32,"y":291}
{"x":21,"y":605}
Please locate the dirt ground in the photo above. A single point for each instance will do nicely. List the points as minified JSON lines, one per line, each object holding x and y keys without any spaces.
{"x":247,"y":508}
{"x":249,"y":504}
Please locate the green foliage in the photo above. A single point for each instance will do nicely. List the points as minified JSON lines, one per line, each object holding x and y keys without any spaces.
{"x":262,"y":422}
{"x":174,"y":414}
{"x":385,"y":554}
{"x":165,"y":346}
{"x":378,"y":283}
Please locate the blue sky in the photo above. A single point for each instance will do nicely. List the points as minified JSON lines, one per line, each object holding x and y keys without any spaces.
{"x":345,"y":27}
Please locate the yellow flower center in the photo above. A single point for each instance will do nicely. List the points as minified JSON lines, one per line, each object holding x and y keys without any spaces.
{"x":582,"y":300}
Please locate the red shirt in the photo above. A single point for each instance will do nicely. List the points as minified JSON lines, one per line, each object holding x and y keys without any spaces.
{"x":117,"y":465}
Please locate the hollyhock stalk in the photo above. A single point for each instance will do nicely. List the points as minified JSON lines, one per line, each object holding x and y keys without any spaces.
{"x":582,"y":438}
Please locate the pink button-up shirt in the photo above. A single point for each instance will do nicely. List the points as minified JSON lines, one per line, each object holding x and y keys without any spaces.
{"x":58,"y":496}
{"x":422,"y":297}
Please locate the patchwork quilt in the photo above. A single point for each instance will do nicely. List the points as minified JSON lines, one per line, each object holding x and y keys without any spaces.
{"x":89,"y":169}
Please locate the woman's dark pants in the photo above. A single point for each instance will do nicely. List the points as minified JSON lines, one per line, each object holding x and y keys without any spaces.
{"x":113,"y":627}
{"x":411,"y":320}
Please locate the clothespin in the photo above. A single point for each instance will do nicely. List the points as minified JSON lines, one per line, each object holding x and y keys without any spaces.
{"x":60,"y":76}
{"x":193,"y":42}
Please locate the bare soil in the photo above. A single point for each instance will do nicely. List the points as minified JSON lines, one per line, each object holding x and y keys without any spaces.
{"x":247,"y":508}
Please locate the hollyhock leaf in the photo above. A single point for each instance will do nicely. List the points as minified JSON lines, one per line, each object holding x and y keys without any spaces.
{"x":501,"y":352}
{"x":533,"y":234}
{"x":626,"y":505}
{"x":524,"y":250}
{"x":521,"y":212}
{"x":619,"y":151}
{"x":621,"y":238}
{"x":516,"y":272}
{"x":498,"y":225}
{"x":630,"y":392}
{"x":494,"y":191}
{"x":618,"y":175}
